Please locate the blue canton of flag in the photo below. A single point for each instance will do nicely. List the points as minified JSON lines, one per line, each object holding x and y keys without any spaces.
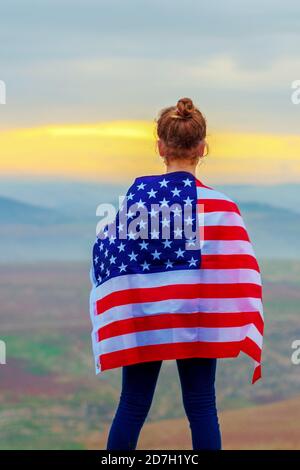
{"x":155,"y":230}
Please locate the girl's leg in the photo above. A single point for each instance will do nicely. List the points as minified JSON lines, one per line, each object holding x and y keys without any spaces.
{"x":138,"y":385}
{"x":197,"y":377}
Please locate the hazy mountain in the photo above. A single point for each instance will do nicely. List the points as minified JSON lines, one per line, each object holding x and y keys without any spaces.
{"x":279,"y":195}
{"x":17,"y":212}
{"x":35,"y":233}
{"x":72,"y":197}
{"x":274,"y":231}
{"x":78,"y":197}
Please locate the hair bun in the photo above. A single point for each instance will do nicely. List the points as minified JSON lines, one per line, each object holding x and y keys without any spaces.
{"x":185,"y":108}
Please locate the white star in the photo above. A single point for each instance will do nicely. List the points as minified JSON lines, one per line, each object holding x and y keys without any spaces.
{"x":99,"y":278}
{"x":165,"y":222}
{"x":153,"y":212}
{"x":145,"y":265}
{"x":101,"y":246}
{"x":192,"y":262}
{"x":130,"y":196}
{"x":107,"y":272}
{"x":132,"y":256}
{"x":106,"y":253}
{"x":96,"y":259}
{"x":164,"y":202}
{"x":121,"y":247}
{"x":130,"y":214}
{"x":169,"y":264}
{"x":102,"y":266}
{"x":142,"y":224}
{"x":102,"y":235}
{"x":178,"y":232}
{"x":180,"y":253}
{"x":112,"y":239}
{"x":131,"y":235}
{"x":189,"y":220}
{"x":191,"y":242}
{"x":123,"y":267}
{"x":154,"y":234}
{"x":151,"y":193}
{"x":187,"y":182}
{"x":176,"y":191}
{"x":112,"y":259}
{"x":188,"y":201}
{"x":167,"y":243}
{"x":156,"y":254}
{"x":120,"y":227}
{"x":140,"y":203}
{"x":144,"y":245}
{"x":163,"y":183}
{"x":177,"y":211}
{"x":141,"y":186}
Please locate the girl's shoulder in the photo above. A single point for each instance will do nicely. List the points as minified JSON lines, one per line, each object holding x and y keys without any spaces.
{"x":209,"y":192}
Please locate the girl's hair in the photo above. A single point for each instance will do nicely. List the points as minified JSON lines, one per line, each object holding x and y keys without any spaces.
{"x":181,"y":128}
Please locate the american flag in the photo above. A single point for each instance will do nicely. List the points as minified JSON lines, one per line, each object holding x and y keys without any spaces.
{"x":174,"y":275}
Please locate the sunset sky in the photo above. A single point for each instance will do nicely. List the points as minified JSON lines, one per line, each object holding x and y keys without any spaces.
{"x":86,"y":79}
{"x":115,"y":151}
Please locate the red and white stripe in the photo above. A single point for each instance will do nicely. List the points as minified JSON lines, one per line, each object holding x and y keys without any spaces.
{"x":226,"y":245}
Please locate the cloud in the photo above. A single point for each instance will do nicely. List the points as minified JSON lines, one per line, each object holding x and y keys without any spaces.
{"x":75,"y":60}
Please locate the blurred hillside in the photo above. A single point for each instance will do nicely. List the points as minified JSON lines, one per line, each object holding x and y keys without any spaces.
{"x":50,"y":397}
{"x":263,"y":427}
{"x":53,"y":222}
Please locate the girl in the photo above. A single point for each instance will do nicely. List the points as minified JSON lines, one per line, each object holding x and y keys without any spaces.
{"x":162,"y":293}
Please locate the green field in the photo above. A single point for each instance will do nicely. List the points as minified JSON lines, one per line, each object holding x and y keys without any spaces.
{"x":50,"y":397}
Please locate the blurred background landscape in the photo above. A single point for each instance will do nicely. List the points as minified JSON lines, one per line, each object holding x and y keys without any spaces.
{"x":50,"y":397}
{"x":85,"y":80}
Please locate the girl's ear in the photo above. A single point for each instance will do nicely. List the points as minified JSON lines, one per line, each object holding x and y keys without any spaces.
{"x":161,"y":148}
{"x":201,"y":148}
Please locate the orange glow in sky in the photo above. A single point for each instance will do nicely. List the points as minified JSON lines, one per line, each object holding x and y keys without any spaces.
{"x":120,"y":150}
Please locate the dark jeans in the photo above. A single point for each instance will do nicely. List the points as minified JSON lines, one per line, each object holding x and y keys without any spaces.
{"x":197,"y":378}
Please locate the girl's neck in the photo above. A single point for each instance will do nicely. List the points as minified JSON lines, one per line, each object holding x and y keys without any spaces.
{"x":183,"y":167}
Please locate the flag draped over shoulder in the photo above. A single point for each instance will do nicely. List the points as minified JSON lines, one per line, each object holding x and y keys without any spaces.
{"x":174,"y":275}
